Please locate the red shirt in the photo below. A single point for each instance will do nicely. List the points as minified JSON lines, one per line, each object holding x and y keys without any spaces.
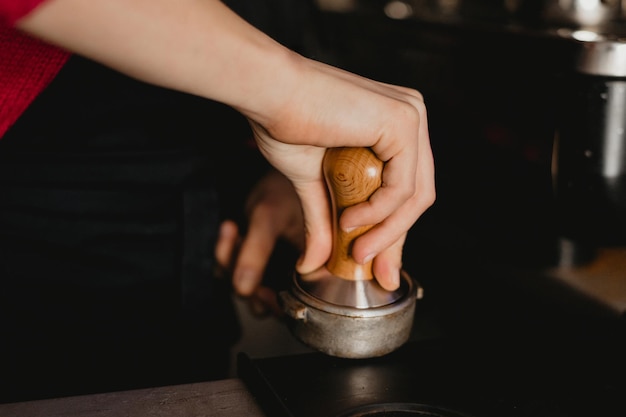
{"x":27,"y":65}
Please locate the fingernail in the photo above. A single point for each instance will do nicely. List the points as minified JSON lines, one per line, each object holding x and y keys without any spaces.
{"x":368,"y":258}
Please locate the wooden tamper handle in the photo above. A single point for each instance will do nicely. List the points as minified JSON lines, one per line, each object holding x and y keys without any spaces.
{"x":352,"y":176}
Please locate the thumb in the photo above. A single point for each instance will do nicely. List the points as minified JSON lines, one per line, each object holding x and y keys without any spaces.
{"x":318,"y":227}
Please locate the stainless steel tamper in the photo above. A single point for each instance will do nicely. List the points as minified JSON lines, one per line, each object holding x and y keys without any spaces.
{"x":341,"y":309}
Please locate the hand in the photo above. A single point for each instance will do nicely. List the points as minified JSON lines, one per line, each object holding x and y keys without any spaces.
{"x":328,"y":107}
{"x":297,"y":107}
{"x":274,"y":212}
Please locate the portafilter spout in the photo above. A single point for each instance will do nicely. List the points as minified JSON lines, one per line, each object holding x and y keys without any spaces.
{"x":341,"y":309}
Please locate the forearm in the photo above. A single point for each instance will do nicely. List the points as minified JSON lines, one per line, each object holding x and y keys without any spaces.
{"x":201,"y":47}
{"x":196,"y":46}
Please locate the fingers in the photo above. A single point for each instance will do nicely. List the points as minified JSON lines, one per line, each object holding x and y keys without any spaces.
{"x":387,"y":265}
{"x":394,"y":221}
{"x":254,"y":253}
{"x":274,"y":212}
{"x":402,"y":160}
{"x":226,"y":244}
{"x":264,"y":301}
{"x":246,"y":278}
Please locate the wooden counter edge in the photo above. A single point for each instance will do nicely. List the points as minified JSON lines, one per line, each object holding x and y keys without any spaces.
{"x":222,"y":398}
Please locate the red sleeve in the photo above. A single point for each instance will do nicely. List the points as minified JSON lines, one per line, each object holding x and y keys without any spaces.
{"x":27,"y":65}
{"x":13,"y":10}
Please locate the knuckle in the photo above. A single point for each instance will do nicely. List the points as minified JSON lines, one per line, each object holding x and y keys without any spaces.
{"x":418,"y":98}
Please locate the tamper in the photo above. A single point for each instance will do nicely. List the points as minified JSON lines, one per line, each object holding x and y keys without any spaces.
{"x":340,"y":309}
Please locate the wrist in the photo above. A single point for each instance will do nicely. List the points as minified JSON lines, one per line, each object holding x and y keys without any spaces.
{"x":266,"y":88}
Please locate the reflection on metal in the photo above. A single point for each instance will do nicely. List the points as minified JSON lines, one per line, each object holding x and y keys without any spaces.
{"x":583,"y":13}
{"x":400,"y":409}
{"x":327,"y":288}
{"x":582,"y":35}
{"x":614,"y":147}
{"x":604,"y":57}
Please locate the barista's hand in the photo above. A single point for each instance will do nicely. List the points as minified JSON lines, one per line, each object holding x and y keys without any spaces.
{"x":298,"y":107}
{"x":274,"y":212}
{"x":327,"y":107}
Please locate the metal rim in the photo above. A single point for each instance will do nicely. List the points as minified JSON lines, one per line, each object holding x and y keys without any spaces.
{"x":409,"y":296}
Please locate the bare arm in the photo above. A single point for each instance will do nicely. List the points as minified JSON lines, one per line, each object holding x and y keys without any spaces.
{"x":297,"y":107}
{"x":196,"y":46}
